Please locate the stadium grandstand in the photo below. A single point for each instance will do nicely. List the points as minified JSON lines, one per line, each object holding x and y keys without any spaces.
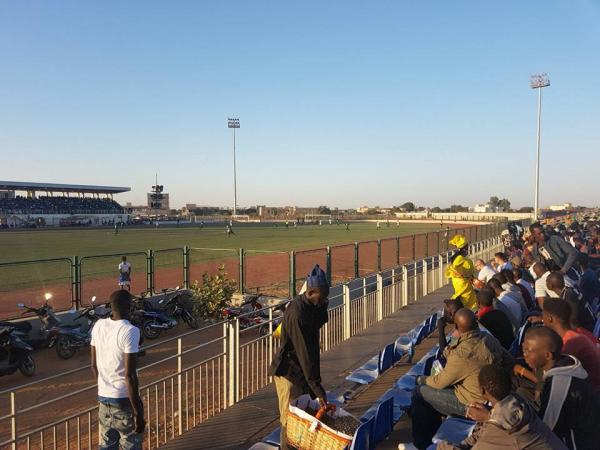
{"x":24,"y":204}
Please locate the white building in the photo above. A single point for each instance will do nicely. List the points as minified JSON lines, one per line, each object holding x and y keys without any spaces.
{"x":563,"y":207}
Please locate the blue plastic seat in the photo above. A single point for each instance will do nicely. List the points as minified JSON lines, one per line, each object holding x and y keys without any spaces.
{"x":454,"y":430}
{"x":362,"y":436}
{"x":367,"y":373}
{"x":402,"y":400}
{"x":404,"y":345}
{"x":274,"y":438}
{"x":433,"y":323}
{"x":406,"y":382}
{"x":416,"y":332}
{"x":387,"y":358}
{"x":597,"y":328}
{"x":383,"y":422}
{"x":264,"y":446}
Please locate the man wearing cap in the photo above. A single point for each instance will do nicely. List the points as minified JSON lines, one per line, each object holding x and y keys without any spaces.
{"x":296,"y":366}
{"x":461,"y":273}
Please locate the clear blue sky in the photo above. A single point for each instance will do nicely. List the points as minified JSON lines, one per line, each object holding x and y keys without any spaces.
{"x":341,"y":103}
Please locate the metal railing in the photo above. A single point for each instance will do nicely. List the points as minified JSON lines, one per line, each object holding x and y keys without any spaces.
{"x":72,"y":280}
{"x":230,"y":364}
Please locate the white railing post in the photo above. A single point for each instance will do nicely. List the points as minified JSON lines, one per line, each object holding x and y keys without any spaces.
{"x":404,"y":286}
{"x":346,"y":294}
{"x":393,"y":293}
{"x":225,"y":365}
{"x":441,"y":270}
{"x":233,"y":361}
{"x":416,"y":280}
{"x":13,"y":419}
{"x":379,"y":304}
{"x":425,"y":278}
{"x":271,"y":330}
{"x":179,"y":388}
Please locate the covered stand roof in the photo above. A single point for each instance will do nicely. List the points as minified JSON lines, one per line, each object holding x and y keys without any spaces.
{"x":56,"y":187}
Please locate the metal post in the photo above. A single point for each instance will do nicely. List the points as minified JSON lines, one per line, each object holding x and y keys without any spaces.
{"x":231,"y":358}
{"x":426,"y":245}
{"x":292,"y":288}
{"x":271,"y":330}
{"x":356,"y":268}
{"x":241,"y":276}
{"x":438,"y":249}
{"x":398,"y":251}
{"x":186,"y":267}
{"x":425,"y":277}
{"x":328,"y":264}
{"x":75,"y":280}
{"x":13,"y":419}
{"x":393,"y":290}
{"x":234,"y":178}
{"x":150,"y":271}
{"x":379,"y":255}
{"x":441,"y":268}
{"x":346,"y":299}
{"x":414,"y":247}
{"x":537,"y":157}
{"x":179,"y":387}
{"x":379,"y":297}
{"x":225,"y":331}
{"x":404,"y":286}
{"x":416,"y":280}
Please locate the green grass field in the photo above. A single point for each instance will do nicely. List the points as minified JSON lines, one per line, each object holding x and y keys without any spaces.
{"x":41,"y":244}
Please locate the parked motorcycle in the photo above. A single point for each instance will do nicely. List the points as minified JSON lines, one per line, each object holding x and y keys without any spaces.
{"x":150,"y":320}
{"x":74,"y":337}
{"x":250,"y":313}
{"x":49,"y":329}
{"x":15,"y":354}
{"x":175,"y":305}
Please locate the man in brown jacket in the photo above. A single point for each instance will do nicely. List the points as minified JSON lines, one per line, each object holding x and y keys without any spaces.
{"x":457,"y":386}
{"x":512,"y":423}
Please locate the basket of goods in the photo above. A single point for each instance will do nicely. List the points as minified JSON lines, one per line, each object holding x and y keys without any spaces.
{"x":311,"y":426}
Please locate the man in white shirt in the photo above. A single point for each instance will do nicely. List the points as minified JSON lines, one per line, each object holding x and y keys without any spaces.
{"x":501,"y":263}
{"x":114,"y":346}
{"x":523,"y":282}
{"x":486,"y":271}
{"x":507,"y":299}
{"x":124,"y":274}
{"x":540,"y":274}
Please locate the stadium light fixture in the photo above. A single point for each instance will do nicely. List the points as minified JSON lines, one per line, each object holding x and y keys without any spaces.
{"x":538,"y":82}
{"x":234,"y":122}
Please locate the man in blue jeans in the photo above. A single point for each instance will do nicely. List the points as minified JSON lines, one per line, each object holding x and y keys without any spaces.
{"x":114,"y":346}
{"x":453,"y":389}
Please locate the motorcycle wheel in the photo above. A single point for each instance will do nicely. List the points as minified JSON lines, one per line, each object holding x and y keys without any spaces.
{"x":148,"y":331}
{"x":64,"y":349}
{"x":190,"y":320}
{"x":263,"y":330}
{"x":27,"y":366}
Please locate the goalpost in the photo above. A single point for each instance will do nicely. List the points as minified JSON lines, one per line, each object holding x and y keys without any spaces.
{"x":241,"y":218}
{"x":318,"y":218}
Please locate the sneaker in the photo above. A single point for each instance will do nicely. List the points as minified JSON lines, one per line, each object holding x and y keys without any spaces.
{"x":407,"y":446}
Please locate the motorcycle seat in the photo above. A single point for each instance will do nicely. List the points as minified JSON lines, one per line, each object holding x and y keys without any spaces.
{"x":21,"y":326}
{"x":70,"y":327}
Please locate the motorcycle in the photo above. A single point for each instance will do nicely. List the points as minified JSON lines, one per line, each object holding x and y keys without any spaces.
{"x":149,"y":319}
{"x":15,"y":354}
{"x":49,"y":329}
{"x":175,"y":306}
{"x":250,"y":314}
{"x":74,"y":337}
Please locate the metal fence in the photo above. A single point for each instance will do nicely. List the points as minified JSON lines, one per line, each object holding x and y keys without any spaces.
{"x":199,"y":373}
{"x":72,"y":281}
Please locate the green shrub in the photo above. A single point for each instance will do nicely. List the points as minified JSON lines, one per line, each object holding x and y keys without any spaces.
{"x":212,"y":294}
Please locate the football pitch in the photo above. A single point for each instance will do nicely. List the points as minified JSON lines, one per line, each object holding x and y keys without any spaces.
{"x":264,"y":268}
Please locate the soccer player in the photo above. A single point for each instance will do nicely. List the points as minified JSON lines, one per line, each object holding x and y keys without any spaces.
{"x":125,"y":274}
{"x":229,"y":230}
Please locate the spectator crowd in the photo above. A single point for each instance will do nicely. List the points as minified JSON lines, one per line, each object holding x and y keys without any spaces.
{"x":524,"y":362}
{"x":59,"y":205}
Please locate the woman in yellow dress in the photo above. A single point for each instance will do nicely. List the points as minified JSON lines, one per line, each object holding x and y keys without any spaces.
{"x":461,"y":272}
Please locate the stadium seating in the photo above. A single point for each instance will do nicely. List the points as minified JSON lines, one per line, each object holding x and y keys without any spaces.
{"x":59,"y":205}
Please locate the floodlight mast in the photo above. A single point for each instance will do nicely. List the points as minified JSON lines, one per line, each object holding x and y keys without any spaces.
{"x":234,"y":122}
{"x":538,"y":82}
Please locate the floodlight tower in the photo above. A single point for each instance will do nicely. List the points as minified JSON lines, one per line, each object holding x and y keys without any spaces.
{"x":234,"y":123}
{"x":538,"y":82}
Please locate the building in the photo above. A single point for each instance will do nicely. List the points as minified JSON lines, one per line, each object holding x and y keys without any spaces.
{"x":563,"y":207}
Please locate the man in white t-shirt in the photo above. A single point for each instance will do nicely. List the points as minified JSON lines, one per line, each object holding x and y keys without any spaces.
{"x":508,"y":300}
{"x":114,"y":346}
{"x":124,"y":274}
{"x":486,"y":271}
{"x":541,"y":289}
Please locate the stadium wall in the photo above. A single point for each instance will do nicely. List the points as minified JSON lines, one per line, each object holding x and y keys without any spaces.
{"x":54,"y":220}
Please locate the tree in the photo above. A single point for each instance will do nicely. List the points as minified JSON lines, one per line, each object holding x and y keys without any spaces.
{"x":494,"y":201}
{"x":504,"y":204}
{"x":526,"y":209}
{"x":324,"y":210}
{"x":458,"y":208}
{"x":436,"y":209}
{"x":408,"y":206}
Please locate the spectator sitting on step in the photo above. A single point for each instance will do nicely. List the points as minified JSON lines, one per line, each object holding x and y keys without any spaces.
{"x":451,"y":305}
{"x":581,"y":316}
{"x":456,"y":386}
{"x":513,"y":291}
{"x":527,"y":298}
{"x":485,"y":271}
{"x":506,"y":303}
{"x":589,"y":285}
{"x":568,"y":404}
{"x":557,"y":315}
{"x":541,"y":288}
{"x":518,"y":276}
{"x":495,"y":321}
{"x":501,"y":262}
{"x":510,"y":423}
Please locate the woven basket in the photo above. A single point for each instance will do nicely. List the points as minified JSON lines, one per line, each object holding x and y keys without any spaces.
{"x":306,"y":432}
